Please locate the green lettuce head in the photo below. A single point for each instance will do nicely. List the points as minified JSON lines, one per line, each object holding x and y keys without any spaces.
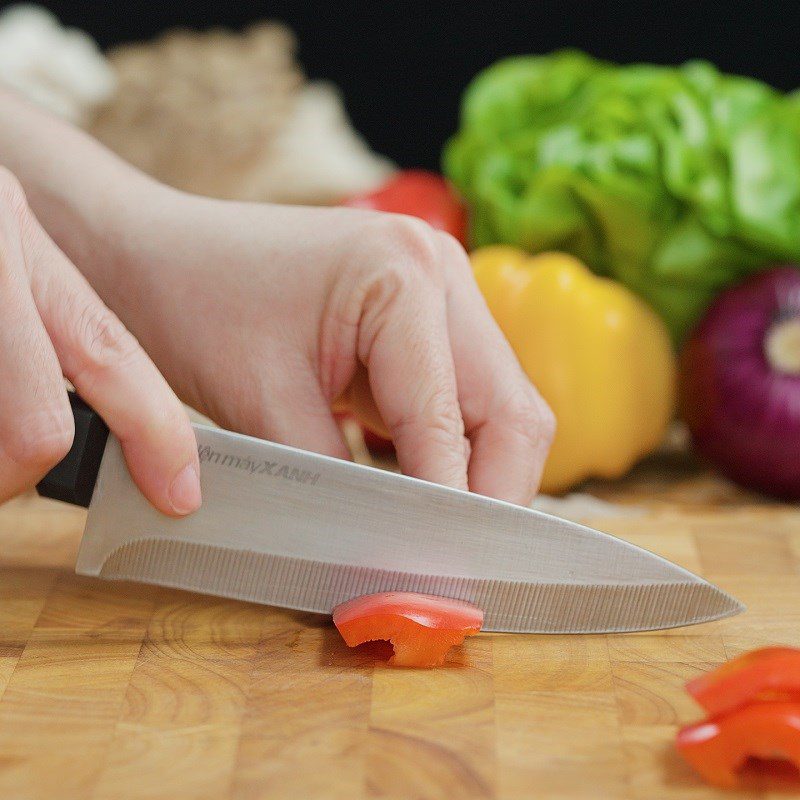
{"x":674,"y":181}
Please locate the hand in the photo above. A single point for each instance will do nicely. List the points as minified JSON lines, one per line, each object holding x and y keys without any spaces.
{"x":54,"y":325}
{"x":262,"y":316}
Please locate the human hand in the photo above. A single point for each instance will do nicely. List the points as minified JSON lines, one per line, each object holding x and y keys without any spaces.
{"x":262,"y":316}
{"x":55,"y":325}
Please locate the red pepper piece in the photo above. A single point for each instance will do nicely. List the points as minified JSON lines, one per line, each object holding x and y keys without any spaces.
{"x":772,"y":674}
{"x":419,"y":194}
{"x":377,"y":444}
{"x":719,"y":747}
{"x":422,"y":628}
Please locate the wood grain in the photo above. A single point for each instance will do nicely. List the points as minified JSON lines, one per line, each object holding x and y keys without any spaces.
{"x":114,"y":691}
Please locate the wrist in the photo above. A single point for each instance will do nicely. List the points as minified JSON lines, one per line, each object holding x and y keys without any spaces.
{"x":88,"y":200}
{"x":115,"y":247}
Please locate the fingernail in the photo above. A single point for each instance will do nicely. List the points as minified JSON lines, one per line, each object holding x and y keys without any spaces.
{"x":184,"y":493}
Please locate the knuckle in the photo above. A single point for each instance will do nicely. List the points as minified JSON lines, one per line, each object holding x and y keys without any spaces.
{"x":455,"y":256}
{"x":391,"y":279}
{"x":440,"y":435}
{"x":104,"y":341}
{"x":160,"y":418}
{"x":41,"y":438}
{"x":165,"y":423}
{"x":460,"y":270}
{"x":451,"y":246}
{"x":439,"y":416}
{"x":173,"y":419}
{"x":547,"y":423}
{"x":529,"y":416}
{"x":408,"y":241}
{"x":12,"y":195}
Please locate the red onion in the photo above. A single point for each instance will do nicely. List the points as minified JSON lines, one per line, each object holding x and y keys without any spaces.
{"x":740,"y":392}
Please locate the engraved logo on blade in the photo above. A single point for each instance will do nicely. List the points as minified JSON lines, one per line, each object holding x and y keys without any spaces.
{"x":257,"y":466}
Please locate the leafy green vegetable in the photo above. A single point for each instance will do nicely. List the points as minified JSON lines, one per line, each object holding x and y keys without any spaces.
{"x":676,"y":181}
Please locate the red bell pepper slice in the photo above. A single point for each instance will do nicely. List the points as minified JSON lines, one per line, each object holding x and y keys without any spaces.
{"x":418,"y":193}
{"x":719,"y":747}
{"x":422,"y":628}
{"x":377,"y":444}
{"x":772,"y":673}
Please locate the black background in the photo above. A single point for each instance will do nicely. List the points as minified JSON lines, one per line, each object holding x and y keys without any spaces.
{"x":403,"y":65}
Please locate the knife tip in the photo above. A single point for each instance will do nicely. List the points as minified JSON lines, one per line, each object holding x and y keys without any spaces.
{"x":726,"y":605}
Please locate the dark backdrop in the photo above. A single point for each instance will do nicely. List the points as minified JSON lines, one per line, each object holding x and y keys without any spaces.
{"x":403,"y":65}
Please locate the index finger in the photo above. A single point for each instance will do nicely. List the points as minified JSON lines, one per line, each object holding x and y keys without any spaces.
{"x":509,"y":425}
{"x":112,"y":372}
{"x":406,"y":349}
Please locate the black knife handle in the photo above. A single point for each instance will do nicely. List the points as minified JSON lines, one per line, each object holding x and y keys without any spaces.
{"x":73,"y":478}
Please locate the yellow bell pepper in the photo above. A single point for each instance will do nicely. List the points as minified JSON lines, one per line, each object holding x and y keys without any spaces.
{"x":598,"y":354}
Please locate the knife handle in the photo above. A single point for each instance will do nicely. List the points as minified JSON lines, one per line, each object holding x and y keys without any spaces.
{"x":73,"y":478}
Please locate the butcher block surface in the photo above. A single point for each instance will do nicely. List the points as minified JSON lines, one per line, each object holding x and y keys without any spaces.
{"x":115,"y":690}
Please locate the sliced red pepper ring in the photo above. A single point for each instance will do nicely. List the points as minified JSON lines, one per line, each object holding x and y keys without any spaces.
{"x":421,"y":628}
{"x":769,"y":674}
{"x":719,"y":748}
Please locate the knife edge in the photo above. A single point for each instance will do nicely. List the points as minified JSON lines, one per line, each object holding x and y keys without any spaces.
{"x":511,"y":606}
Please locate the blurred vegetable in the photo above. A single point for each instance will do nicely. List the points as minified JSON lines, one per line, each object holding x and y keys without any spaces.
{"x":599,"y":356}
{"x":418,"y":194}
{"x":230,"y":114}
{"x":740,"y":387}
{"x":720,"y":747}
{"x":422,"y":628}
{"x":61,"y":69}
{"x":770,"y":673}
{"x":675,"y":181}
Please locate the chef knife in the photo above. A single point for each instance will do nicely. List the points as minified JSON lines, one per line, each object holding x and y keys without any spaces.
{"x":290,"y":528}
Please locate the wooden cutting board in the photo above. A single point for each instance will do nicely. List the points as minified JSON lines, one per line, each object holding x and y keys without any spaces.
{"x":123,"y":691}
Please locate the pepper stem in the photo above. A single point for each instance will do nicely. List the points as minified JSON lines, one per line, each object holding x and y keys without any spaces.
{"x":782,"y":346}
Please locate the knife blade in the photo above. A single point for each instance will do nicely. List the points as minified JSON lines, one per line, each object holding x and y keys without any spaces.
{"x":291,"y":528}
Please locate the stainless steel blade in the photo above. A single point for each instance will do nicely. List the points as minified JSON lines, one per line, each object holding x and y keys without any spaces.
{"x":295,"y":529}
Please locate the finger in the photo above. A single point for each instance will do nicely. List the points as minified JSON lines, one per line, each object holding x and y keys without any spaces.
{"x":36,"y":425}
{"x":112,"y":373}
{"x":509,"y":425}
{"x":404,"y":343}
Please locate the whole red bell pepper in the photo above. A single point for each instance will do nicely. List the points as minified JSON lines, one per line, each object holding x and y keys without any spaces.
{"x":422,"y":628}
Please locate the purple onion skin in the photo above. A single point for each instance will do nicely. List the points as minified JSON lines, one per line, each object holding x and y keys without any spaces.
{"x":743,"y":411}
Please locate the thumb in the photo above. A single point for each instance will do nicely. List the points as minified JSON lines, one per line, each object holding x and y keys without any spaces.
{"x":112,"y":372}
